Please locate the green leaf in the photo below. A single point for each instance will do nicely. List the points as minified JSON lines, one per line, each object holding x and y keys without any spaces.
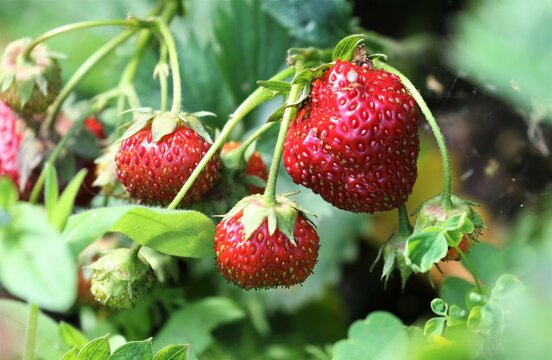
{"x":434,"y":327}
{"x":345,"y":49}
{"x":456,"y":316}
{"x":71,"y":336}
{"x":66,"y":201}
{"x":274,"y":85}
{"x":458,"y":222}
{"x":439,"y":307}
{"x":480,"y":319}
{"x":183,"y":233}
{"x":8,"y":193}
{"x":13,"y":322}
{"x":380,"y":336}
{"x":97,"y":349}
{"x":172,"y":352}
{"x":46,"y":270}
{"x":50,"y":191}
{"x":424,"y":249}
{"x":71,"y":354}
{"x":140,"y":350}
{"x":162,"y":125}
{"x":194,"y":323}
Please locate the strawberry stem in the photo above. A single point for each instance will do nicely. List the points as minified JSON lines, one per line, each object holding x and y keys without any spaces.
{"x":256,"y":98}
{"x":133,"y":22}
{"x":470,"y":268}
{"x":175,"y":66}
{"x":30,"y":332}
{"x":253,"y":137}
{"x":405,"y":228}
{"x":289,"y":113}
{"x":163,"y":77}
{"x":446,"y":200}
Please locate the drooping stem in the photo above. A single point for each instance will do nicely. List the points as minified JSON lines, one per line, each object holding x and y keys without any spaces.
{"x":270,"y":191}
{"x":81,"y":72}
{"x":256,"y":98}
{"x":78,"y":26}
{"x":30,"y":332}
{"x":163,"y":77}
{"x":253,"y":137}
{"x":175,"y":66}
{"x":470,"y":268}
{"x":405,"y":228}
{"x":446,"y":200}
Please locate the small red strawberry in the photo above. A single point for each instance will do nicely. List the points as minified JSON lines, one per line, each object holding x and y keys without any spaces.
{"x":29,"y":86}
{"x":262,"y":246}
{"x":158,"y":154}
{"x":355,"y":140}
{"x":255,"y":166}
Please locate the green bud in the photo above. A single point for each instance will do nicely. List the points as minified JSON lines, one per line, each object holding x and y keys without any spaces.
{"x":120,"y":278}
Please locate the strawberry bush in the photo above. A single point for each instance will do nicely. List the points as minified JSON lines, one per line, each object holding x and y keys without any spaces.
{"x":261,"y":179}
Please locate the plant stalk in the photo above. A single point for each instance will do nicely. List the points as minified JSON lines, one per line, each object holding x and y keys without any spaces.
{"x":405,"y":228}
{"x":470,"y":268}
{"x":256,"y":98}
{"x":175,"y":66}
{"x":445,"y":196}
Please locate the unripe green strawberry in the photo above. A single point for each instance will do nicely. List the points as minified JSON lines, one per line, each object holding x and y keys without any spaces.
{"x":258,"y":245}
{"x":355,"y":139}
{"x":29,"y":86}
{"x":120,"y":278}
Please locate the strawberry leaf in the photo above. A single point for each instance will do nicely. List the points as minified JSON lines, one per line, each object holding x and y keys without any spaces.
{"x":425,"y":248}
{"x":133,"y":350}
{"x":345,"y":49}
{"x":274,"y":85}
{"x":434,"y":327}
{"x":172,"y":352}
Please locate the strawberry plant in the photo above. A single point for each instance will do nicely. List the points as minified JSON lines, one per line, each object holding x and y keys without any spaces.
{"x":204,"y":179}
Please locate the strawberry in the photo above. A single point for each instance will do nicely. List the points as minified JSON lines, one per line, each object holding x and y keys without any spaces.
{"x":158,"y":155}
{"x":355,"y":139}
{"x":258,"y":245}
{"x":10,"y":138}
{"x":255,"y":166}
{"x":29,"y":86}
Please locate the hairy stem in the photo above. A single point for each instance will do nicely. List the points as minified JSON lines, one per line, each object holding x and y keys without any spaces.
{"x":447,"y":203}
{"x":270,"y":191}
{"x":30,"y":332}
{"x":256,"y":98}
{"x":163,"y":78}
{"x":78,"y":26}
{"x":405,"y":228}
{"x":175,"y":66}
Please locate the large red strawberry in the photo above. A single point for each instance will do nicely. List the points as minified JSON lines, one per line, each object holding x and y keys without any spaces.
{"x":255,"y":166}
{"x":258,"y":245}
{"x":158,"y":155}
{"x":355,"y":140}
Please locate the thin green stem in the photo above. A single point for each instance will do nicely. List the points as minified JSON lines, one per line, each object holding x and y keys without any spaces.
{"x":78,"y":26}
{"x":175,"y":66}
{"x":405,"y":228}
{"x":134,"y":250}
{"x":30,"y":332}
{"x":270,"y":191}
{"x":81,"y":72}
{"x":253,"y":137}
{"x":256,"y":98}
{"x":163,"y":76}
{"x":446,"y":200}
{"x":470,"y":268}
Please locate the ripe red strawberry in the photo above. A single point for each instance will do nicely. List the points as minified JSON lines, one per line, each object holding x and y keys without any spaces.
{"x":154,"y":171}
{"x":355,"y":140}
{"x":255,"y":166}
{"x":262,"y":246}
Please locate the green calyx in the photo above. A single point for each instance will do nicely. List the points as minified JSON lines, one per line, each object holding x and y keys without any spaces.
{"x":29,"y":86}
{"x":164,"y":123}
{"x":281,"y":215}
{"x":120,"y":278}
{"x":392,"y":253}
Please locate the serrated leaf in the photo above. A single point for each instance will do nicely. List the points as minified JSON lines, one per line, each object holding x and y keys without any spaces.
{"x":439,"y":307}
{"x":66,"y":201}
{"x":380,"y":336}
{"x":33,"y":246}
{"x":434,"y":327}
{"x":162,"y":125}
{"x":71,"y":336}
{"x":172,"y":352}
{"x":133,"y":350}
{"x":345,"y":49}
{"x":275,"y":85}
{"x":424,"y":249}
{"x":97,"y":349}
{"x":182,"y":233}
{"x":25,"y":90}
